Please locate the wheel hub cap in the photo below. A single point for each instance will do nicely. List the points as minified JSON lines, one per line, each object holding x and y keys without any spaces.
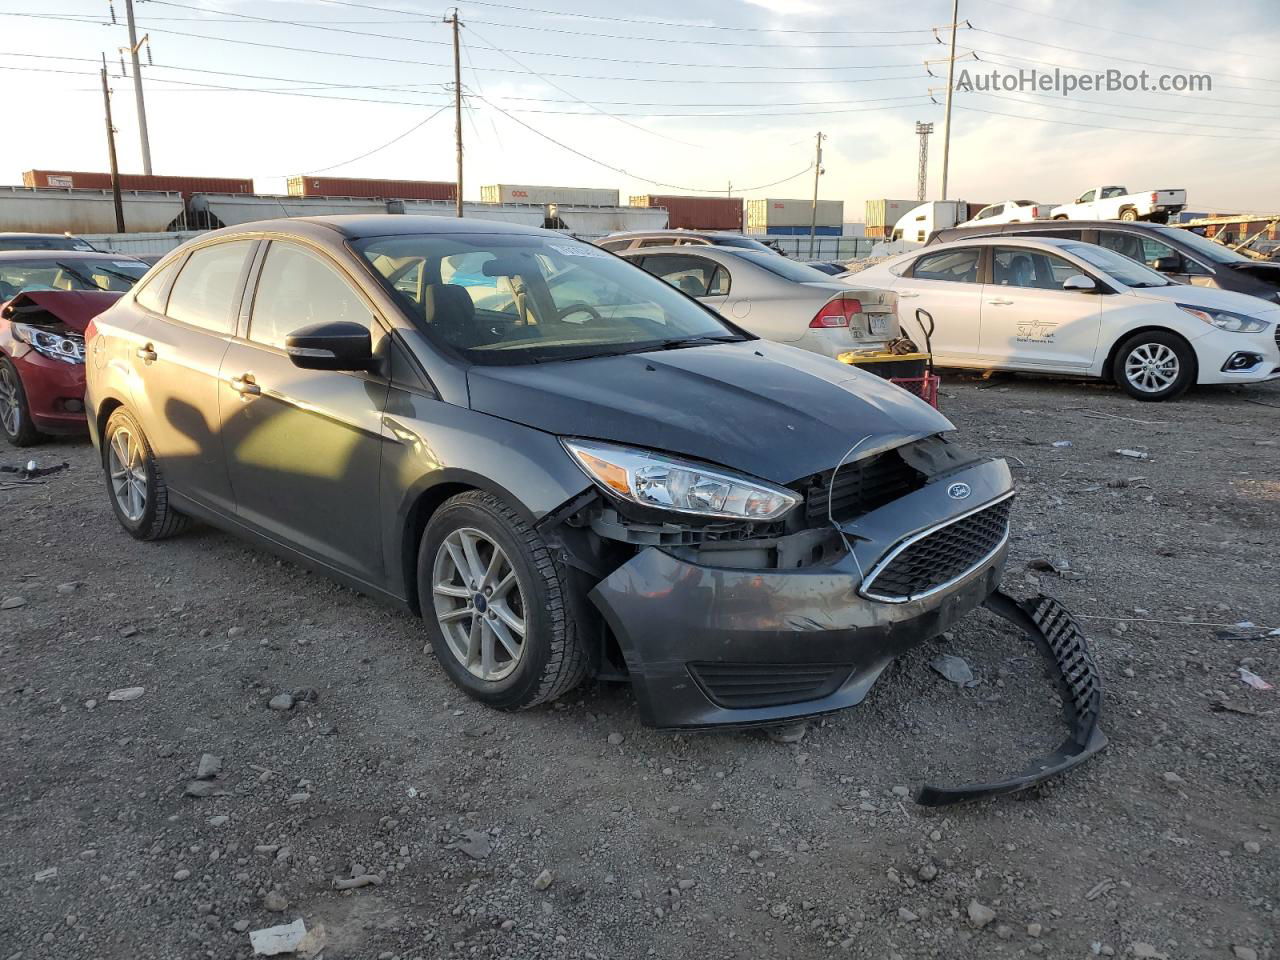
{"x":479,"y":604}
{"x":128,"y":474}
{"x":1152,"y":367}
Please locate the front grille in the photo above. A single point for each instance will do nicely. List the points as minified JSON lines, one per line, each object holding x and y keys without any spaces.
{"x":740,"y":686}
{"x":941,"y":556}
{"x":860,"y":487}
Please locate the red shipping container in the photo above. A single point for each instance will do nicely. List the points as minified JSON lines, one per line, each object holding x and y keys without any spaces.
{"x":136,"y":181}
{"x":382,"y":189}
{"x":696,"y":213}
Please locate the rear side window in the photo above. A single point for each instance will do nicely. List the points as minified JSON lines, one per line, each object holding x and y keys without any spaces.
{"x":154,"y":287}
{"x":614,"y":244}
{"x":958,"y":266}
{"x":296,"y":289}
{"x":207,"y":290}
{"x":695,"y":276}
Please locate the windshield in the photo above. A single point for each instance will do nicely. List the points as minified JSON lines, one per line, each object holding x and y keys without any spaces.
{"x":1121,"y":268}
{"x":1204,"y":246}
{"x":528,"y":299}
{"x":782,"y":267}
{"x":80,"y":273}
{"x":41,"y":242}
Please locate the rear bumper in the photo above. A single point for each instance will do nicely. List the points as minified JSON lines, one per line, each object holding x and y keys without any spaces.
{"x":712,"y":646}
{"x":55,"y":392}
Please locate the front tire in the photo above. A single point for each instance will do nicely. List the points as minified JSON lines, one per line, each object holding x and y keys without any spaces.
{"x":1155,"y":365}
{"x":15,"y":411}
{"x":495,"y":605}
{"x":135,"y":482}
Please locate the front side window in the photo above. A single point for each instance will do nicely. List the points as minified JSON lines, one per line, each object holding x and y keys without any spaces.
{"x":154,"y":289}
{"x":958,"y":266}
{"x":1087,"y":196}
{"x":297,"y":288}
{"x":514,"y":298}
{"x":1023,"y":267}
{"x":207,"y":290}
{"x":1121,"y":268}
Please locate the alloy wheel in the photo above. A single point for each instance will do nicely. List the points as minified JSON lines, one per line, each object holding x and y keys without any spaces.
{"x":128,"y":474}
{"x":1152,"y":367}
{"x":479,"y":604}
{"x":10,"y":406}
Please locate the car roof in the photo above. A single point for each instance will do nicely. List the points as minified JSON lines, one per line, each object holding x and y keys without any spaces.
{"x":710,"y":250}
{"x":360,"y":226}
{"x":1003,"y":239}
{"x":1035,"y":225}
{"x":26,"y":233}
{"x":71,"y":255}
{"x":673,"y":232}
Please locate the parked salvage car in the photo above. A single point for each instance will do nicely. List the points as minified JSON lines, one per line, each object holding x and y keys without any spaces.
{"x":777,"y":298}
{"x":1176,"y":252}
{"x":1048,"y":305}
{"x":46,"y":300}
{"x":564,"y":465}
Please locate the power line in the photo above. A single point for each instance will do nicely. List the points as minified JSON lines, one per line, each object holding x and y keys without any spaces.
{"x":417,"y":126}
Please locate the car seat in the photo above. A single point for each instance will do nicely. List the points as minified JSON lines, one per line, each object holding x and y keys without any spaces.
{"x":692,"y":286}
{"x":449,"y":310}
{"x":1021,"y":273}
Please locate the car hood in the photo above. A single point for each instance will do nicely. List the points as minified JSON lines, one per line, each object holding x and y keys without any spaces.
{"x":1210,"y":298}
{"x":772,"y":411}
{"x":72,"y":308}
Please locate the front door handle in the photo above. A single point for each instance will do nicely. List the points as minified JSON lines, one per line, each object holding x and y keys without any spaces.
{"x":904,"y":295}
{"x":148,"y":353}
{"x":1000,"y":303}
{"x":245,"y":385}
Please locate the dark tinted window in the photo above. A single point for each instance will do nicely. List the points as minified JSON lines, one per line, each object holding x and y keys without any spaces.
{"x":206,"y":291}
{"x":297,"y":288}
{"x":1023,"y":267}
{"x":960,"y":266}
{"x":153,"y":290}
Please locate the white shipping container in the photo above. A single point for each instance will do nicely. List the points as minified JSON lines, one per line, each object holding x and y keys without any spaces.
{"x":885,"y":213}
{"x":79,"y":211}
{"x":763,"y":214}
{"x":528,"y":193}
{"x":601,"y":221}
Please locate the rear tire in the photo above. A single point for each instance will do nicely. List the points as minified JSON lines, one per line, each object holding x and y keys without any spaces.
{"x":1155,"y":365}
{"x":495,"y":604}
{"x":135,"y":482}
{"x":1129,"y":215}
{"x":1062,"y":216}
{"x":15,"y":411}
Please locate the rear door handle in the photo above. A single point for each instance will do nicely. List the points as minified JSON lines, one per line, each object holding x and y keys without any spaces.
{"x":1000,"y":303}
{"x":245,"y":385}
{"x":148,"y":353}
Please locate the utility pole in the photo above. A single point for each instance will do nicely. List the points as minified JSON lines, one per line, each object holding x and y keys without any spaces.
{"x":924,"y":130}
{"x":951,"y":79}
{"x":137,"y":88}
{"x":457,"y":102}
{"x":813,"y":219}
{"x":111,"y":150}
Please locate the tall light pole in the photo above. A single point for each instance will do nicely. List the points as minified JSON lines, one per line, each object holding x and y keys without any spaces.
{"x":137,"y":89}
{"x":951,"y":79}
{"x":813,"y":219}
{"x":457,"y":103}
{"x":924,"y":130}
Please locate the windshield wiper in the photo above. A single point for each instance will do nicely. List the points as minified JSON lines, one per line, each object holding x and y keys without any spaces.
{"x":675,"y":343}
{"x":67,"y":268}
{"x":123,"y":276}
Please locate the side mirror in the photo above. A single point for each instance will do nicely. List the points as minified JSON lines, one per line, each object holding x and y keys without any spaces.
{"x":341,"y":345}
{"x":1166,"y":265}
{"x":1079,"y":282}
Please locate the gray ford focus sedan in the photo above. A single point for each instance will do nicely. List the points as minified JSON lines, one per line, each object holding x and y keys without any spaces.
{"x":564,"y":465}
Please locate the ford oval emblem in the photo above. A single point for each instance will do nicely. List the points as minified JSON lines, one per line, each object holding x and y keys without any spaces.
{"x":958,"y":491}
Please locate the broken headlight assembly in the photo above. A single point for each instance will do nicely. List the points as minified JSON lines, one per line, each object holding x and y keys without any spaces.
{"x":69,"y":348}
{"x":1226,"y":319}
{"x":661,"y":482}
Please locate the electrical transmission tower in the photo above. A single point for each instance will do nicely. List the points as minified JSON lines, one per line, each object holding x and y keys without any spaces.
{"x":923,"y":129}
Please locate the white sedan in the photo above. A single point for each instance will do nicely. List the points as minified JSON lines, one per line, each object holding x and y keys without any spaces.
{"x":1062,"y":306}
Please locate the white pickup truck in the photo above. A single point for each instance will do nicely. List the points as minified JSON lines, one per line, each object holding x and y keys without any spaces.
{"x":1117,"y":203}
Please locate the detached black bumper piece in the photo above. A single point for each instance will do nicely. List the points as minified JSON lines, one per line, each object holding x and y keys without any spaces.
{"x":1054,"y":632}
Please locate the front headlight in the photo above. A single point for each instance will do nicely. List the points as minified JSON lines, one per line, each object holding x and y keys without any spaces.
{"x":664,"y":483}
{"x":1226,"y":320}
{"x":67,"y":347}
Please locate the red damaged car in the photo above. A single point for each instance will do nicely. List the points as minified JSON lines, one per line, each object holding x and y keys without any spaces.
{"x":47,"y":298}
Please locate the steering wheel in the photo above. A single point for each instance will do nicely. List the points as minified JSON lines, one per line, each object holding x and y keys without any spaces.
{"x":573,"y":308}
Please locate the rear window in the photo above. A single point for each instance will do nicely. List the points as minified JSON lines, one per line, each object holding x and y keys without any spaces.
{"x":780,"y":266}
{"x":208,"y":288}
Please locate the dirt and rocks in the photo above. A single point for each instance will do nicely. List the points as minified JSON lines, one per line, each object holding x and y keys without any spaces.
{"x":295,"y":753}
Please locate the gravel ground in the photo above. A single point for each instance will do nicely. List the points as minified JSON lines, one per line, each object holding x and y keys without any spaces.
{"x":574,"y":832}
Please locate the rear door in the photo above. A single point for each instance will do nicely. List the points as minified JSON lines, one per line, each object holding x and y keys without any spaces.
{"x":946,"y":284}
{"x":1029,"y":321}
{"x":176,"y":357}
{"x":304,"y":447}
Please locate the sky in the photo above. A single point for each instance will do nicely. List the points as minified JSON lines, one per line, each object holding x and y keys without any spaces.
{"x":661,"y":97}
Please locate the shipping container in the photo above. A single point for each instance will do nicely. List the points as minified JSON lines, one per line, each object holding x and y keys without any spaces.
{"x":853,"y":229}
{"x":35,"y":210}
{"x":530,"y":193}
{"x":696,"y":213}
{"x":777,"y":231}
{"x":303,"y":186}
{"x":885,"y":213}
{"x":214,"y":210}
{"x":136,"y":181}
{"x":763,"y":215}
{"x":601,"y":221}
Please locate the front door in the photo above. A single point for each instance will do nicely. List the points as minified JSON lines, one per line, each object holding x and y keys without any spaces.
{"x":304,"y":447}
{"x":1030,"y":321}
{"x":946,"y":285}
